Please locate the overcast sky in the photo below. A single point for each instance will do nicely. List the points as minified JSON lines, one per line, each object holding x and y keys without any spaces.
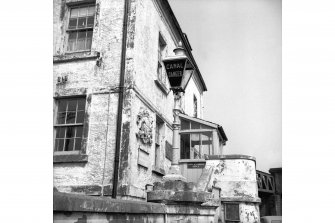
{"x":237,"y":46}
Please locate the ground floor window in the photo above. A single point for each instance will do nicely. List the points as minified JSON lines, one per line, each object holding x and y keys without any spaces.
{"x":69,"y":124}
{"x":196,"y":145}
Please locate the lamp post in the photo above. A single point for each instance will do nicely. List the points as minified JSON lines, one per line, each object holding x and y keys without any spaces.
{"x":179,"y":70}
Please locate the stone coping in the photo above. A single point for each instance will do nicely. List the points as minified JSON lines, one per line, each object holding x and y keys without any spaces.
{"x":192,"y":161}
{"x":246,"y":199}
{"x":169,"y":196}
{"x":83,"y":203}
{"x":65,"y":202}
{"x":232,"y":156}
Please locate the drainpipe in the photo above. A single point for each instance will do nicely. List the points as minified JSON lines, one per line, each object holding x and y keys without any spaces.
{"x":121,"y":96}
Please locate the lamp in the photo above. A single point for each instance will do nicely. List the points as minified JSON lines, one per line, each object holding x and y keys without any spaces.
{"x":179,"y":70}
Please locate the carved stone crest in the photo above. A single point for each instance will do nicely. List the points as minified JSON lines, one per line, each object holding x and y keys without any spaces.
{"x":145,"y":126}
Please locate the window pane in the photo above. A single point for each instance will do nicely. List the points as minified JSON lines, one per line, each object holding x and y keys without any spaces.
{"x":185,"y":124}
{"x":78,"y":144}
{"x":72,"y":105}
{"x":88,"y":44}
{"x":74,"y":13}
{"x":81,"y":40}
{"x":81,"y":44}
{"x":61,"y":117}
{"x":195,"y":146}
{"x":69,"y":144}
{"x":71,"y":45}
{"x":72,"y":36}
{"x":81,"y":104}
{"x":61,"y":106}
{"x":82,"y":22}
{"x":82,"y":35}
{"x":168,"y":150}
{"x":83,"y":11}
{"x":79,"y":132}
{"x":80,"y":117}
{"x":59,"y":143}
{"x":195,"y":125}
{"x":89,"y":34}
{"x":70,"y":132}
{"x":91,"y":10}
{"x":90,"y":21}
{"x":70,"y":117}
{"x":60,"y":132}
{"x":73,"y":23}
{"x":72,"y":41}
{"x":185,"y":146}
{"x":89,"y":40}
{"x":159,"y":71}
{"x":207,"y":143}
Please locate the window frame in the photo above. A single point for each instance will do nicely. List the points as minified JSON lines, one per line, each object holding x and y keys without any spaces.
{"x":77,"y":30}
{"x":195,"y":106}
{"x":159,"y":135}
{"x":74,"y":155}
{"x":203,"y":129}
{"x":161,"y":82}
{"x":162,"y":46}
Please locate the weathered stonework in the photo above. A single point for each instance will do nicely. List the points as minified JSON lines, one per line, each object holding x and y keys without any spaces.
{"x":95,"y":74}
{"x":145,"y":23}
{"x":99,"y":85}
{"x":78,"y":208}
{"x":235,"y":177}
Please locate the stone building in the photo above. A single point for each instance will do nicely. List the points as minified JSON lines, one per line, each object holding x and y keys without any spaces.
{"x":113,"y":106}
{"x":113,"y":115}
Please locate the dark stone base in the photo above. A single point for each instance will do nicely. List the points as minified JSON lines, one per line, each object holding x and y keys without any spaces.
{"x":177,"y":192}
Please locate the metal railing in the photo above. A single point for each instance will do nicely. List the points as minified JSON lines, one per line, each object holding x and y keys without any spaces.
{"x":265,"y":182}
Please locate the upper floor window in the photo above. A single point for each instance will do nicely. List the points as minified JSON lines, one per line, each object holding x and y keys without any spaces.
{"x":80,"y":28}
{"x":195,"y":106}
{"x":161,"y":75}
{"x":69,"y":124}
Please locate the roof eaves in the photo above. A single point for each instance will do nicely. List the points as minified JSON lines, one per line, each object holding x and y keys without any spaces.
{"x":219,"y":127}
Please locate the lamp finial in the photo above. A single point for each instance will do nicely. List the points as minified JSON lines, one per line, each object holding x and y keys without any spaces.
{"x":180,"y":50}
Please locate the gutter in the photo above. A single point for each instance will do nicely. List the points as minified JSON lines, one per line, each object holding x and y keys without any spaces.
{"x":120,"y":102}
{"x":222,"y":133}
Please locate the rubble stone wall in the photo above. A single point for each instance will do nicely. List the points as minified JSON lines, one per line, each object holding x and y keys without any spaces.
{"x":96,"y":83}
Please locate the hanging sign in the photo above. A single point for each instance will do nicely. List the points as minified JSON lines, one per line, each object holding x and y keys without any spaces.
{"x":175,"y":71}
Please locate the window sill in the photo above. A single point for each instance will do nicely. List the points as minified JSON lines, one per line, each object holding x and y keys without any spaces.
{"x":70,"y":158}
{"x":158,"y":170}
{"x":73,"y":56}
{"x":162,"y":87}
